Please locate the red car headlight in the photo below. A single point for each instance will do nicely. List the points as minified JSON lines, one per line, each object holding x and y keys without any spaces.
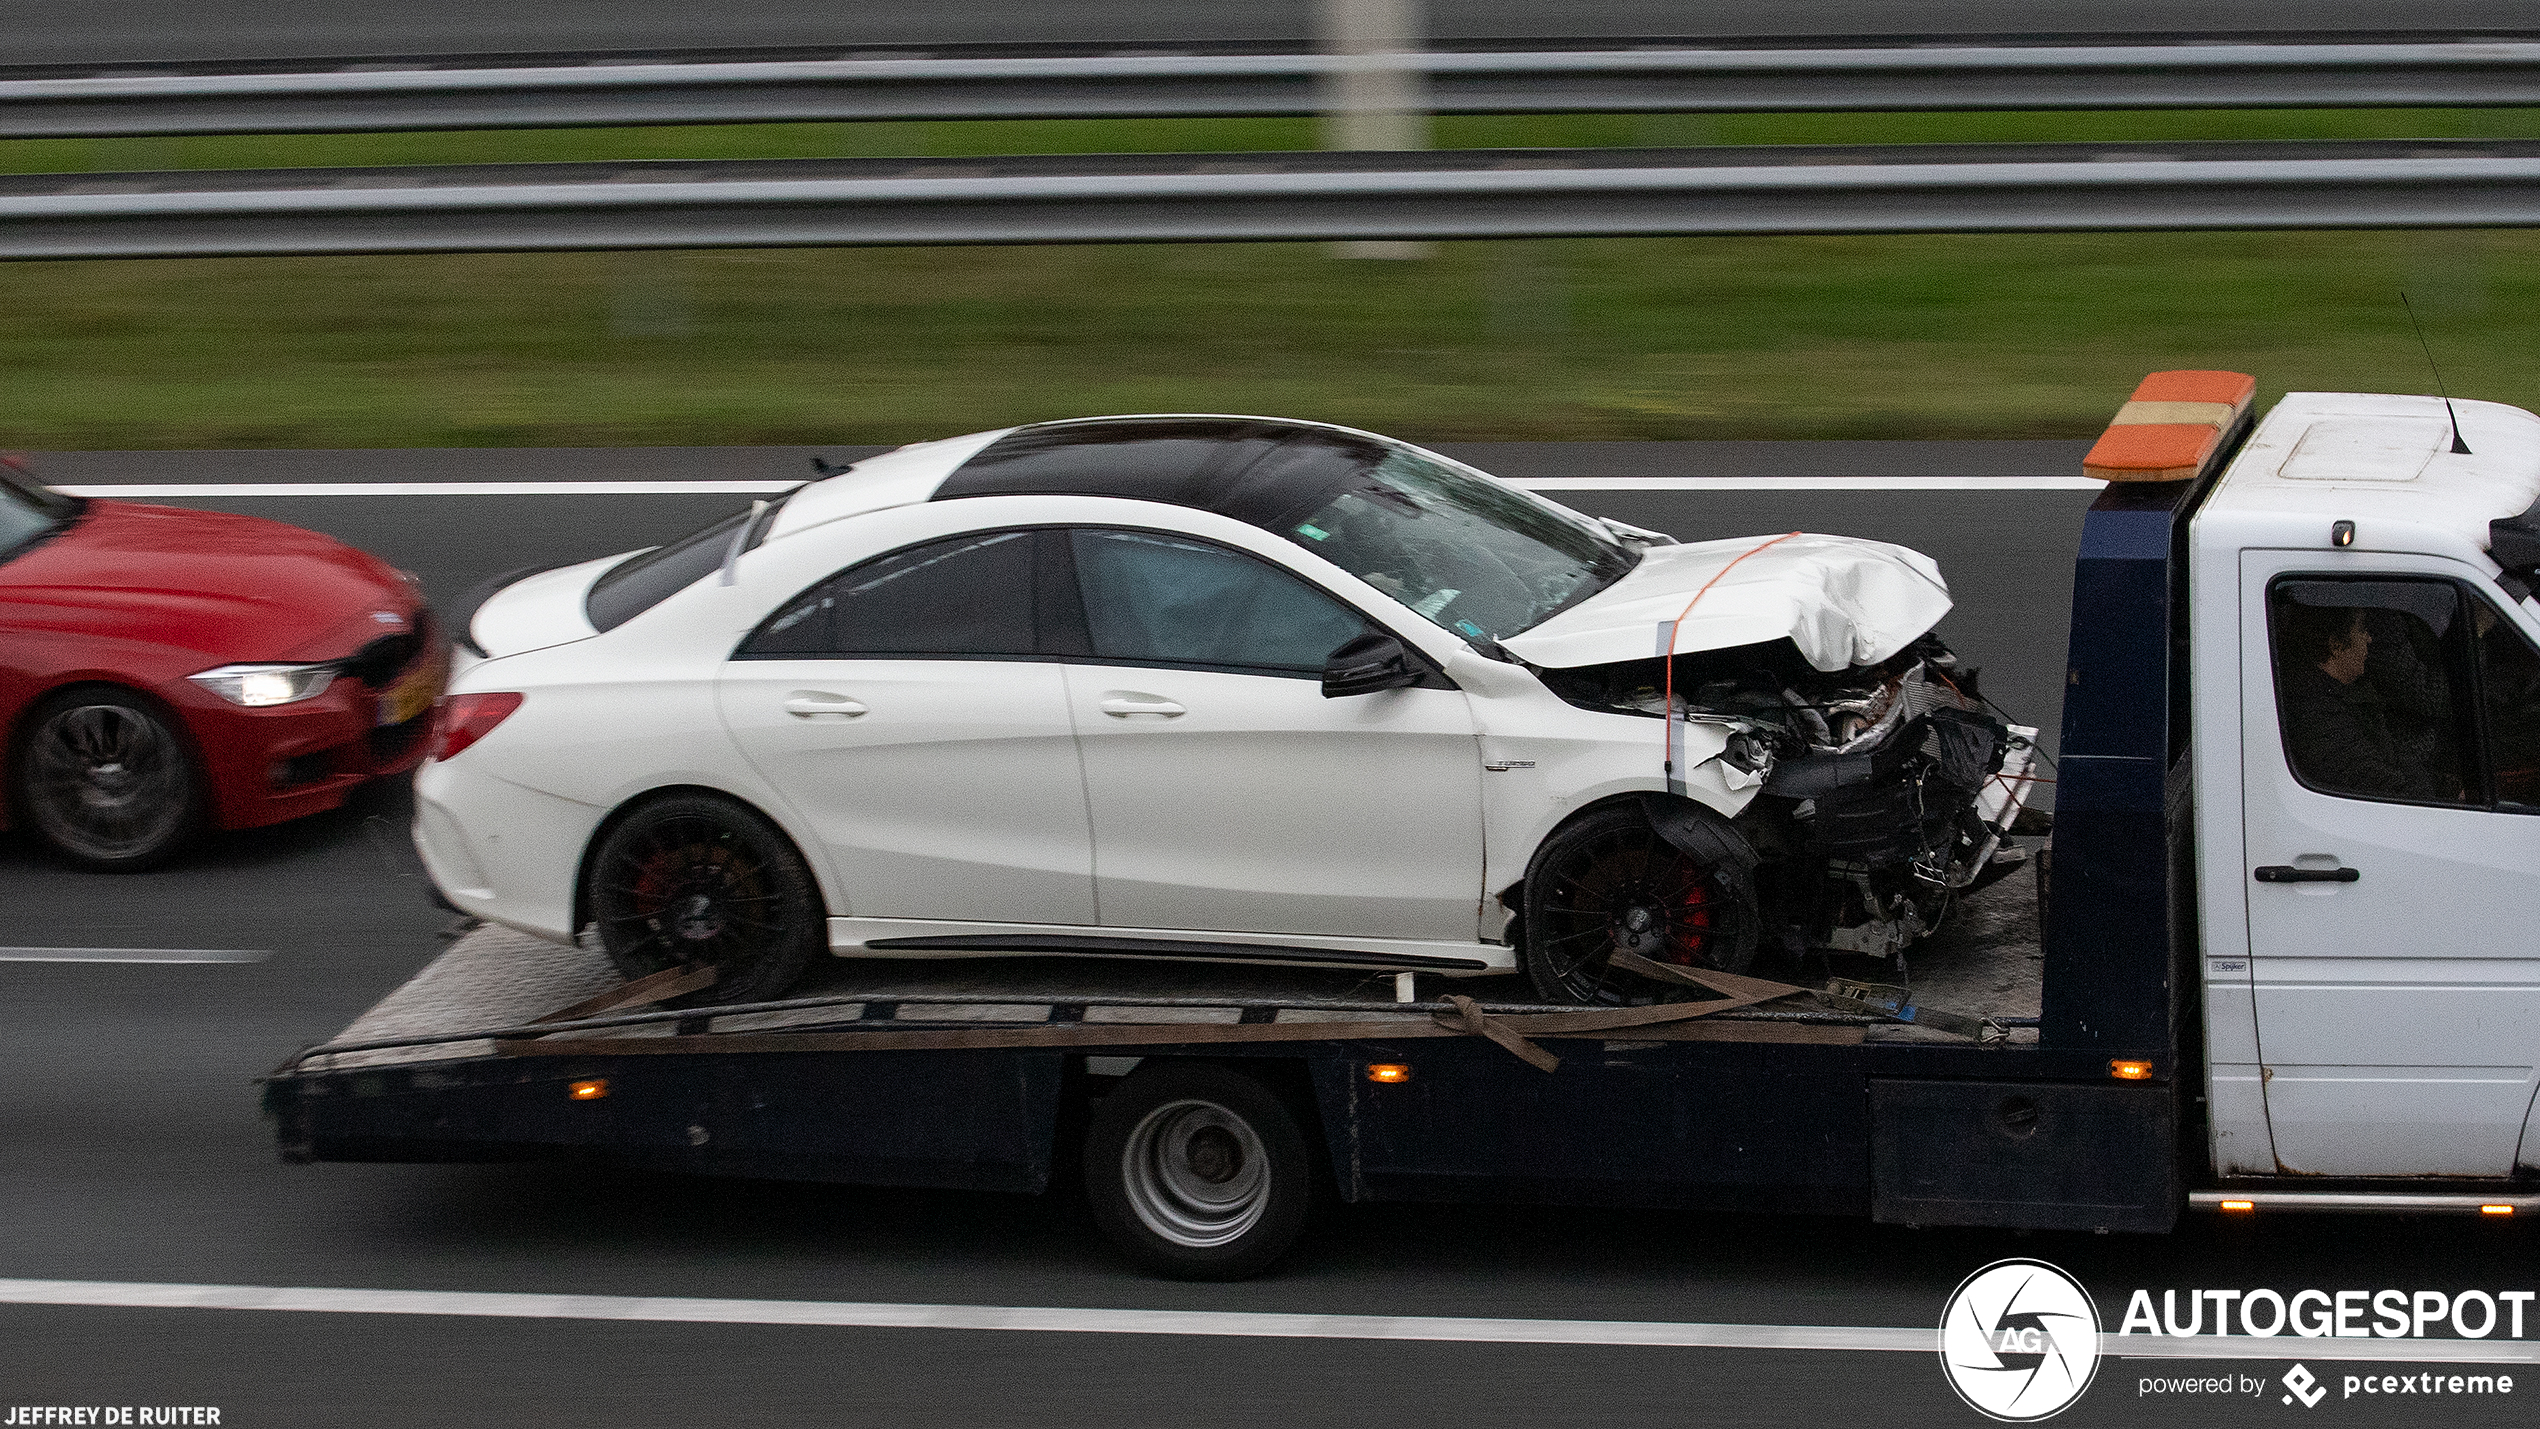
{"x":461,"y":720}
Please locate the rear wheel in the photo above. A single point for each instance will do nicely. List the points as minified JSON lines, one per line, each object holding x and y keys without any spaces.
{"x":1609,"y":882}
{"x":1198,"y":1172}
{"x":695,"y":880}
{"x":104,"y":777}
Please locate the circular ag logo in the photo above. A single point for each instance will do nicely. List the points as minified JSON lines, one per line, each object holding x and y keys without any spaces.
{"x":2020,"y":1340}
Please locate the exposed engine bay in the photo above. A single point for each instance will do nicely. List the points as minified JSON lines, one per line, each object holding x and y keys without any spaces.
{"x":1887,"y":790}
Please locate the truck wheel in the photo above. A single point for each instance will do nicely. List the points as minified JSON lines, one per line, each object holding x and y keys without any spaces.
{"x":105,"y":779}
{"x":1198,"y":1172}
{"x":695,"y":879}
{"x":1609,"y":881}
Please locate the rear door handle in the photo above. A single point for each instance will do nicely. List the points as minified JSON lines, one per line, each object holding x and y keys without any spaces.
{"x":2287,"y":873}
{"x":1123,"y":706}
{"x":815,"y":704}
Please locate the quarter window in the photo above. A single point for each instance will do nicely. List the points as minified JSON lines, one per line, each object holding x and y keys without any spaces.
{"x":1166,"y":600}
{"x":967,"y":597}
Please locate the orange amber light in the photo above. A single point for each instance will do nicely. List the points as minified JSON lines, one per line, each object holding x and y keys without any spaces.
{"x":1388,"y":1072}
{"x":2495,"y":1210}
{"x":588,"y":1091}
{"x":2239,"y":1205}
{"x":2125,"y":1071}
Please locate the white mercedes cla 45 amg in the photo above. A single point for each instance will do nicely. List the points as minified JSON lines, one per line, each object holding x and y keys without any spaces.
{"x":1214,"y":688}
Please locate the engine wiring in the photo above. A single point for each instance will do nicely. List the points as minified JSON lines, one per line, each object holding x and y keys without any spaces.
{"x":1671,"y":728}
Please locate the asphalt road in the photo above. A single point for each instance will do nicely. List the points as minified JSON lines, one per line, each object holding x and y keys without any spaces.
{"x":137,"y":31}
{"x":131,"y":1149}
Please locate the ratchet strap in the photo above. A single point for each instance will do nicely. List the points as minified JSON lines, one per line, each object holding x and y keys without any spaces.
{"x":1465,"y":1019}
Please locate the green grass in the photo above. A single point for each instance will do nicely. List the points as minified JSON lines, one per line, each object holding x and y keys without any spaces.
{"x":2008,"y":336}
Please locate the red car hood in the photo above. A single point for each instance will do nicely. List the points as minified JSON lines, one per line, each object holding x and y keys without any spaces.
{"x":236,"y":588}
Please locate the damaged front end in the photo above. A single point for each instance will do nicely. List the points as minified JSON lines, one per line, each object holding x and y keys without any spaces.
{"x":1882,"y":791}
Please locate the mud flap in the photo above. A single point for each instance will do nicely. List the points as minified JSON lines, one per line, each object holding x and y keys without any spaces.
{"x":2043,"y":1156}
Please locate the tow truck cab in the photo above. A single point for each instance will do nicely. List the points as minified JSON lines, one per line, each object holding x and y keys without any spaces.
{"x":2364,"y":679}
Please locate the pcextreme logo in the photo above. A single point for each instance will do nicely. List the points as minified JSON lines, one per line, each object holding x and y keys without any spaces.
{"x":2019,"y":1341}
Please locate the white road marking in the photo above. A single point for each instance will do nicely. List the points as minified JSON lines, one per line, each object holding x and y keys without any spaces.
{"x":116,"y":1294}
{"x":133,"y":955}
{"x":231,"y":490}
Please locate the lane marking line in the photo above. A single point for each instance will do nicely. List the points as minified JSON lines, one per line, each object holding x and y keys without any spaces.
{"x":282,"y":489}
{"x":133,"y":955}
{"x":126,"y":1295}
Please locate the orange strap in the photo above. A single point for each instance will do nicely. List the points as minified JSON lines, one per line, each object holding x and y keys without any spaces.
{"x":1667,"y":721}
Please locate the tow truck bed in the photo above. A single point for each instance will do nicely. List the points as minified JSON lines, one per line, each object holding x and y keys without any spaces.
{"x":973,"y":1073}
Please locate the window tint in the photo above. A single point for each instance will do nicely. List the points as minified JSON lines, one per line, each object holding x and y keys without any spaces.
{"x":1168,"y":601}
{"x":966,"y":596}
{"x":2372,"y":685}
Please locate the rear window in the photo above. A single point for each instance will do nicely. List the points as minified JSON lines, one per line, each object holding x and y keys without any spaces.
{"x":648,"y":578}
{"x":645,"y":580}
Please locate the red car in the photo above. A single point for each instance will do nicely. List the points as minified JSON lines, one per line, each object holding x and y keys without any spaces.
{"x":163,"y":671}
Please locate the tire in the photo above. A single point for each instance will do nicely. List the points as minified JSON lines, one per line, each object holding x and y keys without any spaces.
{"x":698,"y":879}
{"x":104,"y":777}
{"x":1607,"y":881}
{"x":1198,"y":1172}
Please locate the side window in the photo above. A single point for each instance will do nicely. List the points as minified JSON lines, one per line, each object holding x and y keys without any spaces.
{"x":967,"y":596}
{"x":2372,"y":686}
{"x":2509,"y":690}
{"x":1165,"y":600}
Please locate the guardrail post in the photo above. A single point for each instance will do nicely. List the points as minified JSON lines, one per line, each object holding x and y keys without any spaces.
{"x":1378,"y":102}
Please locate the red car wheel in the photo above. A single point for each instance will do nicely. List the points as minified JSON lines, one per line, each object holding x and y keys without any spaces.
{"x":105,"y":780}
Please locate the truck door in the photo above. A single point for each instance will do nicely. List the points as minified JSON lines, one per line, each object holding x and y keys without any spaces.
{"x":2392,"y":836}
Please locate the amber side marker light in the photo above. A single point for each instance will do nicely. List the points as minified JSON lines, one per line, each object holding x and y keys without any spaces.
{"x":1388,"y":1072}
{"x":2495,"y":1210}
{"x":2125,"y":1071}
{"x":2239,"y":1205}
{"x":590,"y":1091}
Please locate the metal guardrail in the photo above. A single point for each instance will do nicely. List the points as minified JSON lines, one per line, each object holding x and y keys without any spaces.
{"x":1205,"y":198}
{"x":708,"y":90}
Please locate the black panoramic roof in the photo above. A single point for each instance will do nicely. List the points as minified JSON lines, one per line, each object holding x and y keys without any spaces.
{"x":1254,"y":470}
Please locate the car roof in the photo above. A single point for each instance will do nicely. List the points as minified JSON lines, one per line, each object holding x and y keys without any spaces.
{"x":1254,"y":469}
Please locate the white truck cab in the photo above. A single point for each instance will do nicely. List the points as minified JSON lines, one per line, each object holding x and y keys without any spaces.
{"x":2366,"y":717}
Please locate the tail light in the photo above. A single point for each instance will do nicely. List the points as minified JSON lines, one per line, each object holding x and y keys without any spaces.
{"x":461,"y":720}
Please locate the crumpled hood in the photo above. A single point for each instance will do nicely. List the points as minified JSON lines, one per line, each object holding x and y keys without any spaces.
{"x":237,"y":589}
{"x":1841,"y":600}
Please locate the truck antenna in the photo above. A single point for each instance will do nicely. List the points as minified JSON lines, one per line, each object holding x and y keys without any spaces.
{"x":2459,"y":447}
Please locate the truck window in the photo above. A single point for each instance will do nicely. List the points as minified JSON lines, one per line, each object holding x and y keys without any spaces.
{"x":2372,"y":687}
{"x":2509,"y":689}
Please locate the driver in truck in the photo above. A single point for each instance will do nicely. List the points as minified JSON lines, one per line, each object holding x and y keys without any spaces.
{"x":2344,"y":735}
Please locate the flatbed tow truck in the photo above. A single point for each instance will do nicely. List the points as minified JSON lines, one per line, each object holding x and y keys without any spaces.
{"x":2267,"y":978}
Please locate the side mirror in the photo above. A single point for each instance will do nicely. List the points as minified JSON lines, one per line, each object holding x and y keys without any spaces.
{"x":1367,"y":664}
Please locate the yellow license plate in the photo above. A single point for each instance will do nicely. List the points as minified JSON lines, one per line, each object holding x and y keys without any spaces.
{"x":412,"y":695}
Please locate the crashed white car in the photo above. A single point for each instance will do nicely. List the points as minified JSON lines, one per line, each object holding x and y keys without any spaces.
{"x":1223,"y":689}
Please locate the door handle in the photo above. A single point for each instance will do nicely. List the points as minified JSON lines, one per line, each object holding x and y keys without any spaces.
{"x":1123,"y":706}
{"x":814,"y":704}
{"x":2286,"y":873}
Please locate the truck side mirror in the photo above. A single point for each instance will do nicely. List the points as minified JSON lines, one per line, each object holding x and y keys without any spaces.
{"x":1366,"y":664}
{"x":2513,"y":542}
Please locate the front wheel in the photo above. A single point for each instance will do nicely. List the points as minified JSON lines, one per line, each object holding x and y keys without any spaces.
{"x":104,"y":777}
{"x":1198,"y":1172}
{"x":1610,"y":883}
{"x":696,"y":880}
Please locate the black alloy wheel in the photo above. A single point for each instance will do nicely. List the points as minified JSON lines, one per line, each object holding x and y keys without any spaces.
{"x":1198,"y":1171}
{"x":1609,"y":882}
{"x":699,"y":881}
{"x":105,"y":779}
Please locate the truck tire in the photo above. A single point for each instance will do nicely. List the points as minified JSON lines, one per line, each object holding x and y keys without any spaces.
{"x":1198,"y":1172}
{"x":700,"y":879}
{"x":1609,"y":880}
